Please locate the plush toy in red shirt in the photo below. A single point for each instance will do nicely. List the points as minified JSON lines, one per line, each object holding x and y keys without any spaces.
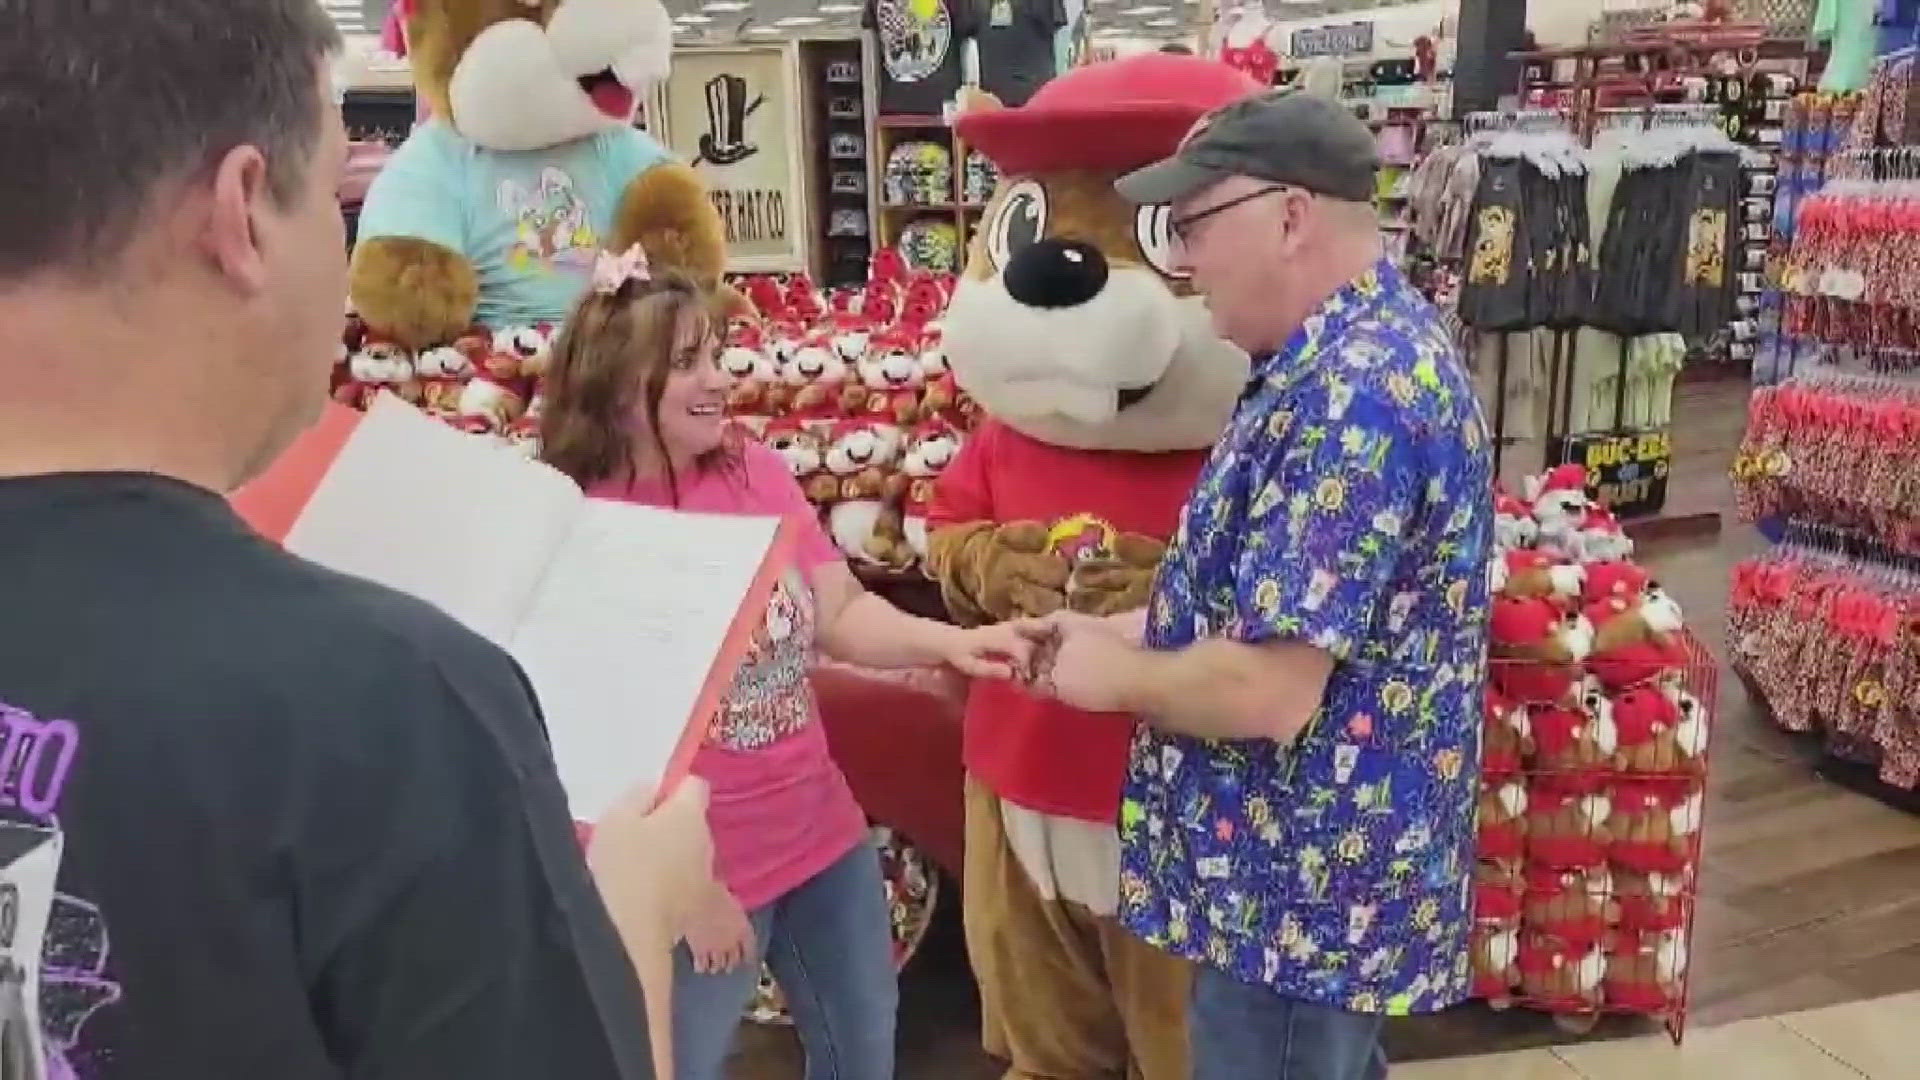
{"x":1102,"y":384}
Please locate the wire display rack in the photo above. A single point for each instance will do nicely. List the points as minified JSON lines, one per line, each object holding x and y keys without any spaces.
{"x":1593,"y":797}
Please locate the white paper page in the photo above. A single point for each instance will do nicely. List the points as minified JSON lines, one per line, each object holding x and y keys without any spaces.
{"x":619,"y":637}
{"x":457,"y":521}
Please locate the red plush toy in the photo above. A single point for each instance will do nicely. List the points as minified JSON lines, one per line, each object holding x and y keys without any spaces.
{"x":929,"y":449}
{"x":1536,"y":648}
{"x":1559,"y":502}
{"x":1496,"y":961}
{"x":1530,"y":573}
{"x":1559,"y":976}
{"x":1503,"y":819}
{"x":888,"y":381}
{"x":1574,"y":743}
{"x":1507,"y":740}
{"x":1635,"y":639}
{"x":1614,"y":579}
{"x":816,"y":378}
{"x":1652,"y":824}
{"x":1574,"y":904}
{"x":1650,"y":901}
{"x":1513,"y":524}
{"x":1567,"y":829}
{"x":1647,"y":973}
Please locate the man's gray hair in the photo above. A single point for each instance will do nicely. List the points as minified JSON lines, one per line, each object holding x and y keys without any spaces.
{"x":105,"y":102}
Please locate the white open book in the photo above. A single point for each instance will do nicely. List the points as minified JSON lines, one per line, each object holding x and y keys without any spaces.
{"x":628,"y":620}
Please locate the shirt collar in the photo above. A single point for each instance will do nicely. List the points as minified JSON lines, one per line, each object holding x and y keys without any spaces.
{"x":1345,"y":307}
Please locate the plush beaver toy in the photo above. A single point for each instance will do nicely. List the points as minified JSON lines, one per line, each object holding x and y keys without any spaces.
{"x":1102,"y":384}
{"x":493,"y":209}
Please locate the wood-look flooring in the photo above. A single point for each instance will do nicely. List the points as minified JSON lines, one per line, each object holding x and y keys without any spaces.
{"x":1810,"y":894}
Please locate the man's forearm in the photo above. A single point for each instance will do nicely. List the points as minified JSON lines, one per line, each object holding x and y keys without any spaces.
{"x":1223,"y":690}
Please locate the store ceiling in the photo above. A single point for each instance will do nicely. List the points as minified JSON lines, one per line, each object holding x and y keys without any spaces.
{"x":728,"y":20}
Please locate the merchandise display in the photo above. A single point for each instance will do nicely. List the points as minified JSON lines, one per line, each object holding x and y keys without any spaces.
{"x":1825,"y":626}
{"x":921,"y":44}
{"x":1585,"y":273}
{"x":1599,"y":717}
{"x":1813,"y":128}
{"x":842,"y":110}
{"x":852,"y":387}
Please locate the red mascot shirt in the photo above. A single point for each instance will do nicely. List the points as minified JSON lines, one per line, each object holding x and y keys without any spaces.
{"x":1032,"y":752}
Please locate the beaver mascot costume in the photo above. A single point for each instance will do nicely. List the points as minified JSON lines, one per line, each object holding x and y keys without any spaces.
{"x":1103,"y":386}
{"x":493,"y":210}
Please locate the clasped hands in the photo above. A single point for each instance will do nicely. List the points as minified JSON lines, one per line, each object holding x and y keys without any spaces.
{"x":1086,"y":661}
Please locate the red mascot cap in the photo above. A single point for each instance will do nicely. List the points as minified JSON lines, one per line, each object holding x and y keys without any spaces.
{"x":1117,"y":114}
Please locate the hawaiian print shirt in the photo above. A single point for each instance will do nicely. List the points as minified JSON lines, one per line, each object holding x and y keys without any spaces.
{"x":1349,"y":505}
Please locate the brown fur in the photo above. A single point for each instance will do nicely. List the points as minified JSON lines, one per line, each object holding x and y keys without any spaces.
{"x":415,"y":291}
{"x":439,"y":32}
{"x":666,"y":211}
{"x":1081,"y":205}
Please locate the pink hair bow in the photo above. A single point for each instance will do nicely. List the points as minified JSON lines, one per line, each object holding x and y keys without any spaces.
{"x":611,"y":271}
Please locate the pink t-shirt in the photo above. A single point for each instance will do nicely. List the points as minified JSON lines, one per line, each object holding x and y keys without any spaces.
{"x":780,"y":809}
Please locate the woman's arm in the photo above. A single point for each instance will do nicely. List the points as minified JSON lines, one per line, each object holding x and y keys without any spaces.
{"x":860,"y":628}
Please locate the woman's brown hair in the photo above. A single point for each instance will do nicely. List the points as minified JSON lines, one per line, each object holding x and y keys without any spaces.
{"x":615,"y":351}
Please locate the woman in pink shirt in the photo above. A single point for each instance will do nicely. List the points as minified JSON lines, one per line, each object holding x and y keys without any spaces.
{"x":634,"y":411}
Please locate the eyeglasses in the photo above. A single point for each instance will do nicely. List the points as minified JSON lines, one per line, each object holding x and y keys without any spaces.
{"x":1182,"y":227}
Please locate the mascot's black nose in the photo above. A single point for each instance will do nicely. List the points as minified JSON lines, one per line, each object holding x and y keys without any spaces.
{"x":1056,"y":274}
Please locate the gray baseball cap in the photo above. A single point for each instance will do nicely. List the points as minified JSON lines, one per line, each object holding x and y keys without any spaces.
{"x":1281,"y":136}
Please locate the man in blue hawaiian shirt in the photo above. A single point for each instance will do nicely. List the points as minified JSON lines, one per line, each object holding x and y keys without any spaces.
{"x":1299,"y":813}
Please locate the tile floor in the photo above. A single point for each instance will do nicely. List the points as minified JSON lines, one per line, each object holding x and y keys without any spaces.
{"x":1869,"y":1039}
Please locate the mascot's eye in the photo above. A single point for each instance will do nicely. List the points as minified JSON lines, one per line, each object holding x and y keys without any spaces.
{"x":1153,"y":231}
{"x":1021,"y":219}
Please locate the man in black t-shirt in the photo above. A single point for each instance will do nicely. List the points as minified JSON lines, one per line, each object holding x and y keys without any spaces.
{"x":258,"y":821}
{"x":1017,"y":54}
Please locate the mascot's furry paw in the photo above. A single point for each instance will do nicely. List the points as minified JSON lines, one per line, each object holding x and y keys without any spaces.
{"x":990,"y":573}
{"x":1122,"y":582}
{"x":414,"y":291}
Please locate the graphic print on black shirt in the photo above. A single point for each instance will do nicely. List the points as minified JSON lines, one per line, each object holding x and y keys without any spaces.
{"x":53,"y":947}
{"x":321,"y":819}
{"x":920,"y":44}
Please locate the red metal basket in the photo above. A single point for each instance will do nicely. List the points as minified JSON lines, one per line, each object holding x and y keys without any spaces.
{"x":1590,"y":832}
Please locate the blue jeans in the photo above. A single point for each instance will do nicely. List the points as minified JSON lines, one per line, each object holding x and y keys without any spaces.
{"x":829,"y":943}
{"x":1245,"y":1032}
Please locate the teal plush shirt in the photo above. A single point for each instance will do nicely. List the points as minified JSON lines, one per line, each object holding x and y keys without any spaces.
{"x":530,"y":222}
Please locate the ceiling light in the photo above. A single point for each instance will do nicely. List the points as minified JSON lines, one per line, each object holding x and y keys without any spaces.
{"x":1145,"y":9}
{"x":1163,"y":22}
{"x":763,"y":29}
{"x":726,"y":5}
{"x":837,"y":9}
{"x":797,"y":20}
{"x":693,"y":20}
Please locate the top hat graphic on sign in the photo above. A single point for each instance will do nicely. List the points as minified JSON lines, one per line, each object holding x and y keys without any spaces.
{"x":725,"y":140}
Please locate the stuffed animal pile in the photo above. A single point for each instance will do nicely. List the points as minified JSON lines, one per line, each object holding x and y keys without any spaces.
{"x":852,"y":387}
{"x":486,"y":382}
{"x":1594,"y":767}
